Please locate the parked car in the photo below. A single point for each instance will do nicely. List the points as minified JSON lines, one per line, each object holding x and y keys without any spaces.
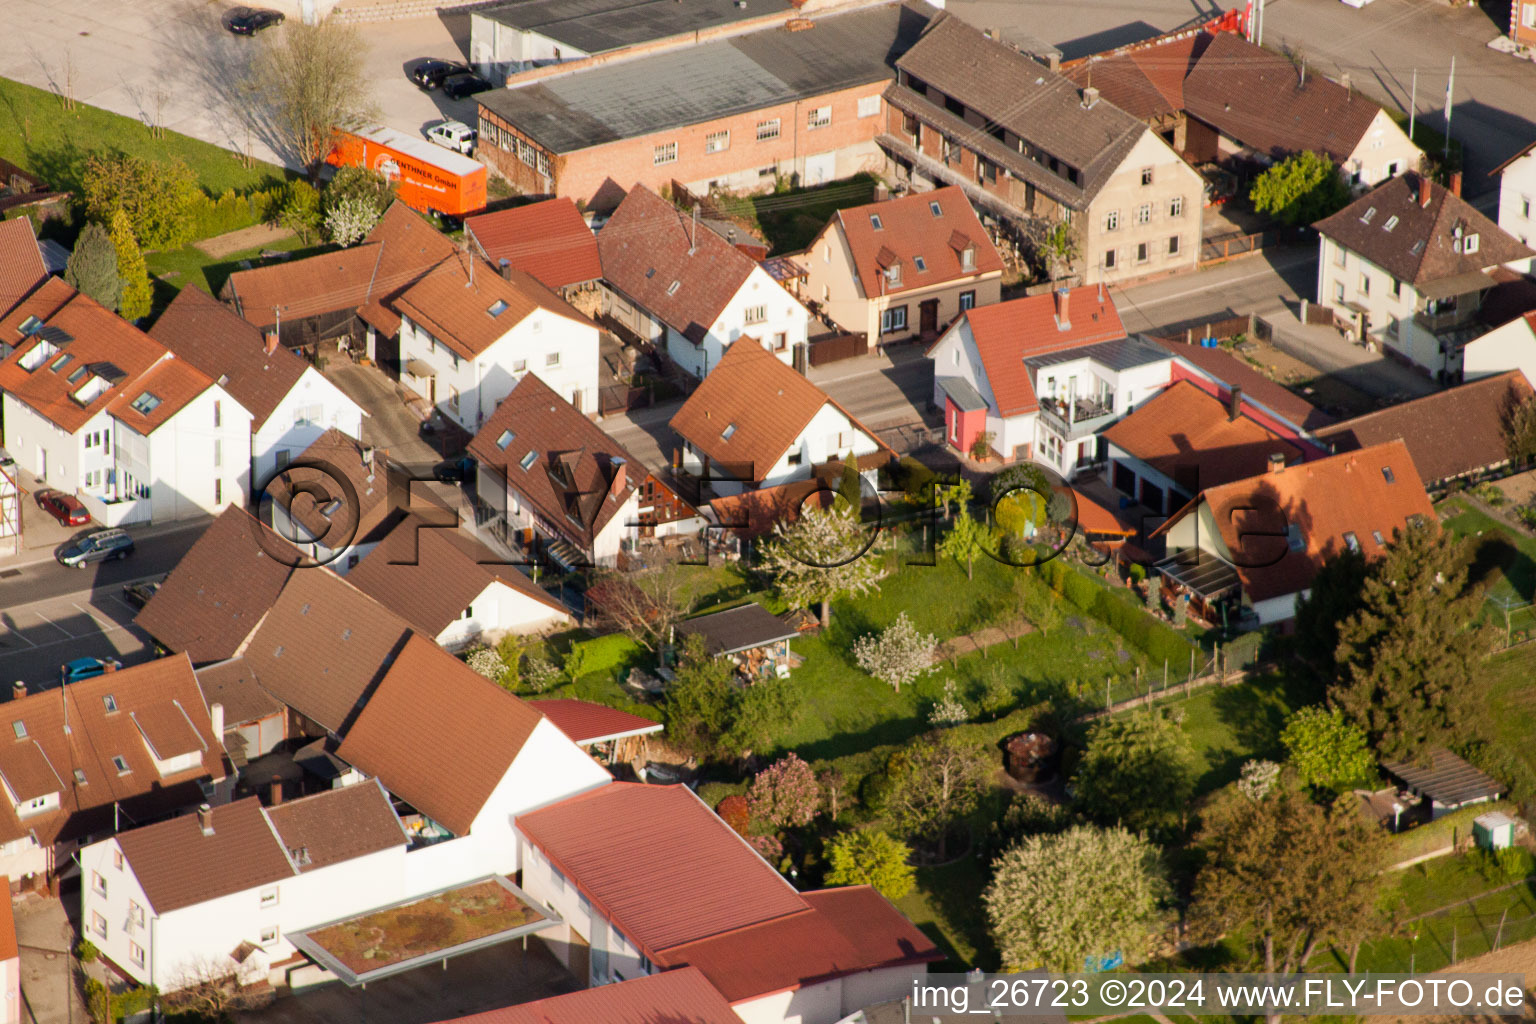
{"x":99,"y":546}
{"x":454,"y":135}
{"x":454,"y":471}
{"x":247,"y":21}
{"x":466,"y":83}
{"x":138,"y":594}
{"x":429,"y":74}
{"x":86,"y":668}
{"x":66,"y":508}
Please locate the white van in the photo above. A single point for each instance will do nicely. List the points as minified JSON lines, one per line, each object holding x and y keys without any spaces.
{"x":454,"y":135}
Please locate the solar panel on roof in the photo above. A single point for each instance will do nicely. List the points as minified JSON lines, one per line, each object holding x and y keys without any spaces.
{"x":56,"y":335}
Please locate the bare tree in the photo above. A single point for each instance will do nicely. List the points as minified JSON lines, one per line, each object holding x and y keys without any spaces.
{"x":213,"y":988}
{"x":309,"y":80}
{"x":648,"y":602}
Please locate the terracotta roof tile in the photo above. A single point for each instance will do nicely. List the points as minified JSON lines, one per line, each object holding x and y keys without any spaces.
{"x":437,"y":735}
{"x":570,"y":477}
{"x":172,"y":383}
{"x":844,"y":931}
{"x":217,"y":594}
{"x":335,"y":467}
{"x":323,"y":646}
{"x":1187,"y":435}
{"x":179,"y":866}
{"x":1420,"y":247}
{"x":909,"y":230}
{"x":585,"y":722}
{"x":21,"y":262}
{"x":108,"y":347}
{"x":9,"y":950}
{"x":697,"y":879}
{"x":1231,"y":371}
{"x":337,"y":825}
{"x":1145,"y":80}
{"x":752,"y":514}
{"x":1007,"y":333}
{"x":671,"y":997}
{"x":456,"y":299}
{"x":1449,"y":433}
{"x":429,"y":574}
{"x":644,"y":248}
{"x":233,"y":684}
{"x":205,"y":333}
{"x":159,"y":697}
{"x":549,"y":240}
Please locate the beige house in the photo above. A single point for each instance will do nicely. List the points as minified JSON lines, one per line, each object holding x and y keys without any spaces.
{"x":902,"y":268}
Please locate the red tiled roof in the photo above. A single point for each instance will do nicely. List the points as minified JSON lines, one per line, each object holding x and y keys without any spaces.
{"x":549,"y":240}
{"x":175,"y":382}
{"x":644,"y":248}
{"x":1325,"y":499}
{"x":337,"y":825}
{"x":908,"y":231}
{"x":752,"y":513}
{"x":843,"y":931}
{"x":454,"y":302}
{"x":21,"y":262}
{"x":697,"y":878}
{"x":438,"y":735}
{"x":1007,"y":333}
{"x":1188,"y":436}
{"x":9,"y":950}
{"x":1145,"y":79}
{"x":671,"y":997}
{"x":585,"y":722}
{"x":108,"y":345}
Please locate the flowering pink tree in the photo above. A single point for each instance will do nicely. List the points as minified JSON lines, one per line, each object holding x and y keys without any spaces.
{"x":785,"y":794}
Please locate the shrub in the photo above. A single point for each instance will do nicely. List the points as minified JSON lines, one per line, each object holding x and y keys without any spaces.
{"x":486,"y":662}
{"x":872,"y":858}
{"x":541,"y":675}
{"x":86,"y":951}
{"x":875,"y":791}
{"x":736,"y":812}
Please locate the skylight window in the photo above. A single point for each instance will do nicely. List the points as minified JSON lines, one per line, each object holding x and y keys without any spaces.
{"x":109,"y":702}
{"x":79,"y":777}
{"x":59,"y":363}
{"x":1352,"y":542}
{"x":20,"y":729}
{"x":919,"y":263}
{"x":874,"y":222}
{"x":1293,"y":537}
{"x":505,"y":439}
{"x":30,"y":326}
{"x":1418,"y":247}
{"x":1377,"y":537}
{"x":121,"y":764}
{"x":673,"y":287}
{"x":146,"y":403}
{"x":1387,"y":475}
{"x":497,"y":308}
{"x":80,"y":371}
{"x":1365,"y":218}
{"x":529,"y":459}
{"x":934,"y":208}
{"x":1390,"y":224}
{"x":725,"y":435}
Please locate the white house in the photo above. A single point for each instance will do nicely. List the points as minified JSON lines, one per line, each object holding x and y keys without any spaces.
{"x":449,"y":586}
{"x":1407,"y":266}
{"x":469,"y":334}
{"x":676,"y":283}
{"x":556,"y":484}
{"x":1510,"y":347}
{"x":291,"y":404}
{"x":1041,"y":377}
{"x":754,"y":422}
{"x":95,"y":407}
{"x":1517,"y":198}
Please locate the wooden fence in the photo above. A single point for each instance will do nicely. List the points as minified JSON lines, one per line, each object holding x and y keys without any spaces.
{"x":1191,"y":331}
{"x":616,"y":398}
{"x":1322,"y":316}
{"x":837,"y":347}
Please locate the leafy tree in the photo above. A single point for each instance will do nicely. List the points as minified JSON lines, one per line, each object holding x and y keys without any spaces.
{"x":1300,"y":189}
{"x":137,"y":295}
{"x":1257,"y":777}
{"x":948,"y":709}
{"x":299,"y":210}
{"x":966,"y":537}
{"x":1518,"y":418}
{"x":157,"y":197}
{"x":1059,"y":250}
{"x":348,"y":221}
{"x":1289,"y":874}
{"x":897,"y":654}
{"x":851,"y":488}
{"x":736,"y":812}
{"x":832,"y":783}
{"x":785,"y":794}
{"x":1327,"y":750}
{"x":821,"y":555}
{"x":708,"y":714}
{"x":308,"y":82}
{"x":360,"y":184}
{"x":871,"y":857}
{"x":1335,"y":596}
{"x":1038,"y":603}
{"x":1027,"y":814}
{"x":1411,"y":659}
{"x":1058,"y":899}
{"x":92,"y":267}
{"x":935,"y":781}
{"x":1138,"y":771}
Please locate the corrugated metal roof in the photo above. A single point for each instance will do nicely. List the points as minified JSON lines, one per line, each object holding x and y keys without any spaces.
{"x":598,"y":26}
{"x":585,"y":722}
{"x":682,"y":996}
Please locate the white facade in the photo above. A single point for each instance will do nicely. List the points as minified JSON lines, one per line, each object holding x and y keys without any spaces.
{"x":1517,"y":203}
{"x":311,"y":406}
{"x":760,"y":309}
{"x":610,"y":955}
{"x":830,"y":1001}
{"x":1511,"y":347}
{"x":558,"y":350}
{"x":1383,"y":152}
{"x":517,"y":514}
{"x":499,"y":609}
{"x":830,"y":434}
{"x":1346,"y":281}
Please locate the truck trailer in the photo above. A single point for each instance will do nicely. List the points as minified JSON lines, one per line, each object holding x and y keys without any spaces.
{"x":427,"y":178}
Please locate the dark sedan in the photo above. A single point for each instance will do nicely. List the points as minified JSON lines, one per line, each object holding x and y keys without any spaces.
{"x":466,"y":83}
{"x":429,"y":74}
{"x":138,"y":594}
{"x":247,"y":21}
{"x":66,"y":508}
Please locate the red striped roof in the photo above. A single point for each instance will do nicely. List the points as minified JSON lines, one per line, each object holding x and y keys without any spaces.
{"x":549,"y":240}
{"x":674,"y":997}
{"x":585,"y":722}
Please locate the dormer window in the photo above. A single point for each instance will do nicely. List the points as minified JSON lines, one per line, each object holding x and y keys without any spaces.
{"x":874,"y":222}
{"x":109,"y":702}
{"x":893,"y":274}
{"x":1469,"y":244}
{"x":39,"y":354}
{"x":94,"y":387}
{"x":146,"y":403}
{"x":529,"y":459}
{"x":1365,"y":218}
{"x":505,"y":439}
{"x":968,"y":258}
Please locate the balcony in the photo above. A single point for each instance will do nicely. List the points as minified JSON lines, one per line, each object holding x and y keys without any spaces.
{"x":1080,"y":418}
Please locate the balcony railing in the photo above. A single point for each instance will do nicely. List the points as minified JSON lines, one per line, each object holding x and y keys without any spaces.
{"x":1081,"y":417}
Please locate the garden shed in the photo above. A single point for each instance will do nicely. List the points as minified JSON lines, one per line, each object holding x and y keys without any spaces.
{"x":1443,"y":781}
{"x":1494,"y":830}
{"x":751,"y":636}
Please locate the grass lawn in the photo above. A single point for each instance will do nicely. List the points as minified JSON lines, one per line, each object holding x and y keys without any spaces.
{"x":37,"y":133}
{"x":789,"y":220}
{"x":1502,"y":559}
{"x":1511,"y":718}
{"x":178,"y":268}
{"x":947,"y":906}
{"x":1230,"y":725}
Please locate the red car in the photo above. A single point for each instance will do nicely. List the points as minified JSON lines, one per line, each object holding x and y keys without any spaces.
{"x":63,"y":507}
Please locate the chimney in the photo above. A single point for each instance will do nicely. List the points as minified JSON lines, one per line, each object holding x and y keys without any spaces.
{"x":216,"y":719}
{"x":619,"y":477}
{"x":1455,"y":183}
{"x":1234,"y":404}
{"x":1276,"y":462}
{"x":882,"y":192}
{"x":506,"y":267}
{"x":1090,"y":97}
{"x":1424,"y":193}
{"x":276,"y":797}
{"x":205,"y":819}
{"x":693,"y":237}
{"x":108,"y":667}
{"x":271,"y":342}
{"x":1063,"y":309}
{"x":18,"y":690}
{"x":1344,"y":81}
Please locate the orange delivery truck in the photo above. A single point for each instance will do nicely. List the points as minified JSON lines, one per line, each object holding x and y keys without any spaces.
{"x":427,"y":178}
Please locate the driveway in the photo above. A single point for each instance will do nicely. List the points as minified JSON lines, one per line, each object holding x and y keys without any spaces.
{"x":172,"y":61}
{"x":391,"y":423}
{"x":49,"y":992}
{"x":488,"y":979}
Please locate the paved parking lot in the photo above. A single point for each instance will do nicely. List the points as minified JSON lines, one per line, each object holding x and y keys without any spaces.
{"x":135,"y":57}
{"x":36,"y":638}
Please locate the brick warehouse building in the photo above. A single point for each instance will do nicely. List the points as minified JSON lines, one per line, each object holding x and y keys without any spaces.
{"x":801,"y":100}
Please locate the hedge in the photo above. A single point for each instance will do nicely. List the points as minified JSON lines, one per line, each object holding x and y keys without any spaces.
{"x":1157,"y":640}
{"x":232,"y":211}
